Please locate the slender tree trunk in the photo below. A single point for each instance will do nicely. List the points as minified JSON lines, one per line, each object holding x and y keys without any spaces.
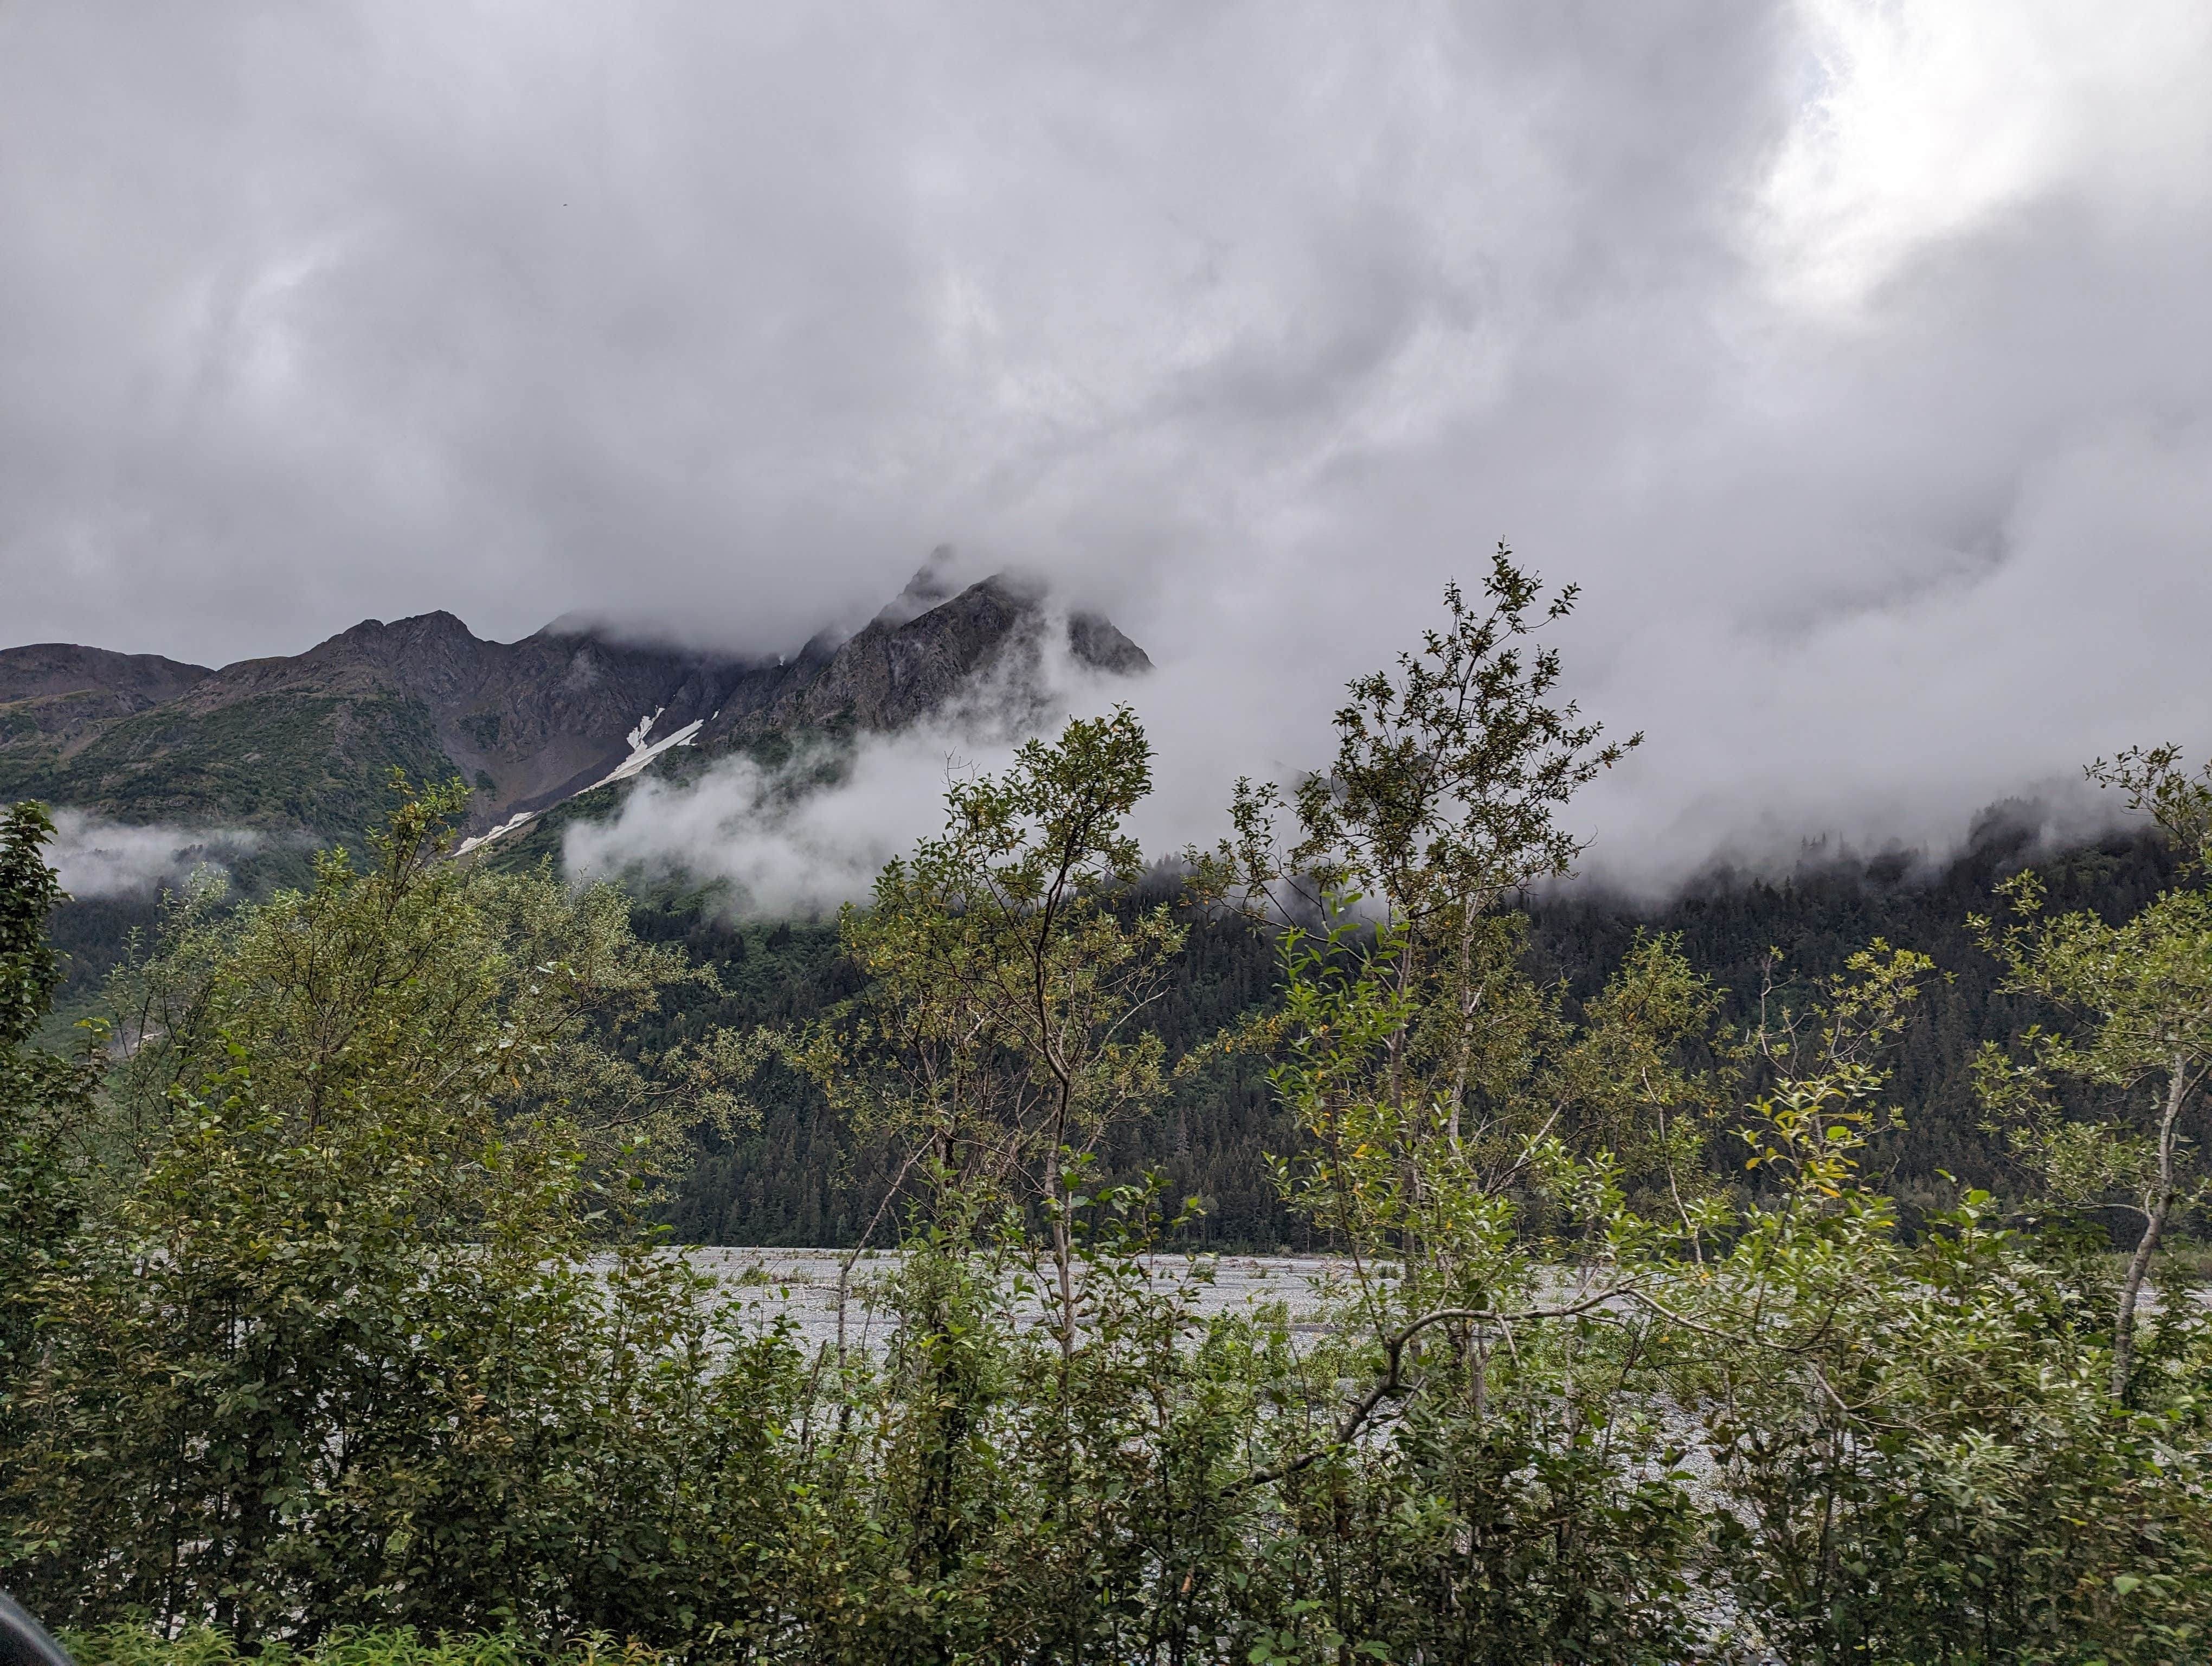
{"x":1062,"y":1243}
{"x":845,"y":1266}
{"x":2161,"y":1203}
{"x":1463,"y":1043}
{"x":1408,"y":1135}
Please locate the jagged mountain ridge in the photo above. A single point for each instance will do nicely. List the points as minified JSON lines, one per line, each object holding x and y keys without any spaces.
{"x":304,"y":741}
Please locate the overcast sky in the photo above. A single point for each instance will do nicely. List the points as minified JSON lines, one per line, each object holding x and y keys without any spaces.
{"x":1855,"y":358}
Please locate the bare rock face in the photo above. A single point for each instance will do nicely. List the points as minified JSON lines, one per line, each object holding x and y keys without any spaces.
{"x":306,"y":740}
{"x":1094,"y":639}
{"x":889,"y":674}
{"x":983,"y":646}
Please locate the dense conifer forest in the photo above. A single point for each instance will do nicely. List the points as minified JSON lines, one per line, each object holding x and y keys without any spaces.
{"x":800,"y":1179}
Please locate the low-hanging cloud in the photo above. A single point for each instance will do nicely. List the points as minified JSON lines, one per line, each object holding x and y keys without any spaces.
{"x":813,"y":831}
{"x":97,"y":857}
{"x":1852,"y":354}
{"x":774,"y":850}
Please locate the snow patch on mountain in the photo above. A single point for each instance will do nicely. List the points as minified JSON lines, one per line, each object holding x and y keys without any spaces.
{"x":640,"y":754}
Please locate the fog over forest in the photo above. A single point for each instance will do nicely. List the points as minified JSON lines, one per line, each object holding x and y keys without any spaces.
{"x":1852,"y":357}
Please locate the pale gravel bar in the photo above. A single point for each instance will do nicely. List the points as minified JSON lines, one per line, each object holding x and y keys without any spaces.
{"x":801,"y":1286}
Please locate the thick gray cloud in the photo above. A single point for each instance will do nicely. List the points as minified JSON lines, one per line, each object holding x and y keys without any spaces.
{"x":97,"y":857}
{"x":1852,"y":354}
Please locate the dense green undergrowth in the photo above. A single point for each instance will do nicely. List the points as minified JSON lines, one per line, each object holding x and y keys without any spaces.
{"x":332,"y":1317}
{"x":126,"y":1644}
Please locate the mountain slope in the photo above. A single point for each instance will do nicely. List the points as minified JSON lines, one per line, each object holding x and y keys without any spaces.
{"x":307,"y":742}
{"x":57,"y":697}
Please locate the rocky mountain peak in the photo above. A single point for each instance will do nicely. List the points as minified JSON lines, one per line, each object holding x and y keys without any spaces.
{"x":305,"y":740}
{"x":1097,"y":642}
{"x":930,"y":587}
{"x":984,"y":645}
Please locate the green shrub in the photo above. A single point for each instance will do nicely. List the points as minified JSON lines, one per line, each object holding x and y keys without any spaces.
{"x":123,"y":1644}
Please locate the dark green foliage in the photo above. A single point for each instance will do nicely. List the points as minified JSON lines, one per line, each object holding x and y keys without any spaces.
{"x":95,"y":935}
{"x":1510,"y":1540}
{"x":1957,"y":1485}
{"x":46,"y":1101}
{"x":331,"y":1322}
{"x":332,"y":1306}
{"x":799,"y":1177}
{"x":29,"y":891}
{"x":1828,"y":909}
{"x":795,"y":1176}
{"x":125,"y":1644}
{"x":364,"y":1380}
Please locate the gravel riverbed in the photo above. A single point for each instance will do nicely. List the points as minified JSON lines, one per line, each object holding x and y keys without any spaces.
{"x":801,"y":1285}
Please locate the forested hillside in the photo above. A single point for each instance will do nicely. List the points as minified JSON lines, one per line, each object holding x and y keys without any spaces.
{"x":800,"y":1179}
